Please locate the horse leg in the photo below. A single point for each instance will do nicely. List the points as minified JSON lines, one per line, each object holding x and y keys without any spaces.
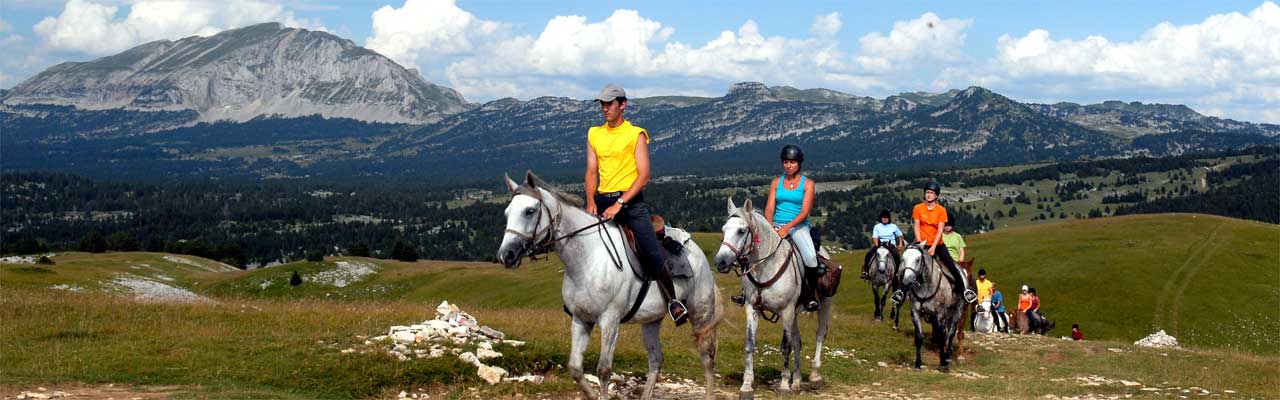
{"x":653,"y":346}
{"x":948,"y":341}
{"x":824,"y":320}
{"x":748,"y":372}
{"x":915,"y":321}
{"x":896,"y":314}
{"x":581,"y":335}
{"x":790,"y":349}
{"x":878,"y":315}
{"x":608,"y":343}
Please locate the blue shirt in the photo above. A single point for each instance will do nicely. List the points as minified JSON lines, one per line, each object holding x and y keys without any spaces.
{"x":997,"y":298}
{"x":788,"y":203}
{"x":887,"y":233}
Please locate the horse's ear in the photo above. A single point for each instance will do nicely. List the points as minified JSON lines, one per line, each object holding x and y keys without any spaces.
{"x":530,"y":179}
{"x":746,"y":206}
{"x":511,"y":185}
{"x":732,"y":207}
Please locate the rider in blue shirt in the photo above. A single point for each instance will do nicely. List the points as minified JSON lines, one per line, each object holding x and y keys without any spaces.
{"x":884,"y":234}
{"x":997,"y":305}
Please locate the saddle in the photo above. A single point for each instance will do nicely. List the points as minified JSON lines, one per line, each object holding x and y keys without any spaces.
{"x":828,"y":282}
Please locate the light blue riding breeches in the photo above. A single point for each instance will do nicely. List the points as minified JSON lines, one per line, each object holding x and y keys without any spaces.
{"x":804,"y":242}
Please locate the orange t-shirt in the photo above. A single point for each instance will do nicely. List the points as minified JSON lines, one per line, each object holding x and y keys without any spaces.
{"x":1024,"y":301}
{"x":929,"y":220}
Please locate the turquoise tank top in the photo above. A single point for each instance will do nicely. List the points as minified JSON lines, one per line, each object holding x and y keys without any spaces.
{"x":789,"y":202}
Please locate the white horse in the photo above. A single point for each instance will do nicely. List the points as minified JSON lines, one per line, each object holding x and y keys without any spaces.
{"x":771,"y":281}
{"x":984,"y":318}
{"x":599,"y":285}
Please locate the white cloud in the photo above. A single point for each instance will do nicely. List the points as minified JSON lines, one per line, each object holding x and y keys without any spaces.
{"x":1227,"y":64}
{"x":93,"y":27}
{"x":928,"y":37}
{"x":1224,"y":49}
{"x":484,"y":60}
{"x":826,"y":25}
{"x":5,"y":27}
{"x":429,"y":30}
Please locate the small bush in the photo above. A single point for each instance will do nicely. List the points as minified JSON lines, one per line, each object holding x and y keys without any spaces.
{"x":44,"y":260}
{"x":295,"y":280}
{"x":315,"y":256}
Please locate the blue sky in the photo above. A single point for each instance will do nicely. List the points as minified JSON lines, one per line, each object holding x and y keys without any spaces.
{"x":1221,"y":58}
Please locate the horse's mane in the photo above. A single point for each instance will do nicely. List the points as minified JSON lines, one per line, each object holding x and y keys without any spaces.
{"x":539,"y":184}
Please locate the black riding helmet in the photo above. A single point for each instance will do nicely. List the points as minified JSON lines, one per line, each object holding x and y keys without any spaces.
{"x":934,"y":186}
{"x":885,"y":214}
{"x":793,"y":152}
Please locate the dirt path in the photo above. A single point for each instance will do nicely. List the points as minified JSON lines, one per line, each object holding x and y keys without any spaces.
{"x":88,"y":392}
{"x":1176,"y":285}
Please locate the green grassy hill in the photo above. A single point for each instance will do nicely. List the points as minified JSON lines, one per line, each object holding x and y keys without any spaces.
{"x":1212,"y":282}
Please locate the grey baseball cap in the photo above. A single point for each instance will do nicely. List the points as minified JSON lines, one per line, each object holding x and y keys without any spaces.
{"x":610,"y":92}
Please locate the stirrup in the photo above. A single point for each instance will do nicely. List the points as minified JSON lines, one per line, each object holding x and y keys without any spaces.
{"x":739,"y":299}
{"x":898,"y":297}
{"x":812,"y":306}
{"x":683,"y":314}
{"x":866,"y":275}
{"x":970,"y":296}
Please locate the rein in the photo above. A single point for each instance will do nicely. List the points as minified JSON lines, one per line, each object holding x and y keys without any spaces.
{"x":746,"y":267}
{"x":533,"y":247}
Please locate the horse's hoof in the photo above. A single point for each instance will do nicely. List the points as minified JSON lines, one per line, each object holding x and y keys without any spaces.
{"x":746,"y":395}
{"x":815,"y":382}
{"x":918,"y":367}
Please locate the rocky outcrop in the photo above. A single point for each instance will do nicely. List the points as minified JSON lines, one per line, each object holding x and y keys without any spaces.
{"x":240,"y":74}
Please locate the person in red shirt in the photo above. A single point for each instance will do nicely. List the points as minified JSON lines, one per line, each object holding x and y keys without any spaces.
{"x":930,"y":217}
{"x":1075,"y":332}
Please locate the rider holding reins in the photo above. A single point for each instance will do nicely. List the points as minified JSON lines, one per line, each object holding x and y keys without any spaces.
{"x":617,"y":171}
{"x":886,"y":234}
{"x":790,"y":200}
{"x":930,"y":217}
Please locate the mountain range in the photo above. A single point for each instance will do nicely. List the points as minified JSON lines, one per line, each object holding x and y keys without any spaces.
{"x":266,"y":101}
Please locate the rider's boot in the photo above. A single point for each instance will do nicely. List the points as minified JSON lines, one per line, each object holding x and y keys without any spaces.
{"x":675,"y":308}
{"x":740,"y":298}
{"x":813,"y":275}
{"x":970,"y":296}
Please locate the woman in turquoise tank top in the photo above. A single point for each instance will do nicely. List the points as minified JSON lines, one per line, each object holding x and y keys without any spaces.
{"x":790,"y":199}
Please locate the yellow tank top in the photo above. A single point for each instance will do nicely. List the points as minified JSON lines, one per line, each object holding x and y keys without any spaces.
{"x":615,"y":150}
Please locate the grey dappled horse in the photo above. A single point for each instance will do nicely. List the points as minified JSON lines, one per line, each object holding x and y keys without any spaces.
{"x":883,"y":269}
{"x":599,"y":288}
{"x":771,"y":282}
{"x":933,"y":297}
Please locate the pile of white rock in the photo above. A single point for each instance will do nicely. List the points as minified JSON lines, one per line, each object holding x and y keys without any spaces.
{"x":1158,"y":339}
{"x":449,"y":332}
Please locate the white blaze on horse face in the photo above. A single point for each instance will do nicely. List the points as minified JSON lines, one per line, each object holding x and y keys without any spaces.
{"x":910,"y":261}
{"x":735,"y":233}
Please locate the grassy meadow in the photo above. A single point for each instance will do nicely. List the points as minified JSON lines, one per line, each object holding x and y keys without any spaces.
{"x":1212,"y":282}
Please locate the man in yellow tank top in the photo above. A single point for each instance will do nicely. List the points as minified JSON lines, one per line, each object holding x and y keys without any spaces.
{"x":617,"y":171}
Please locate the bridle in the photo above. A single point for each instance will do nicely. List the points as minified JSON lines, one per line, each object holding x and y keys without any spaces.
{"x":742,"y":256}
{"x":922,"y":274}
{"x":533,"y":247}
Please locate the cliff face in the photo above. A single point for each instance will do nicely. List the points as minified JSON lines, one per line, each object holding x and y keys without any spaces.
{"x":239,"y":74}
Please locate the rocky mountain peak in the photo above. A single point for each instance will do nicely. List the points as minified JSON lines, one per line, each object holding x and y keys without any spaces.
{"x":755,"y":90}
{"x":240,"y":74}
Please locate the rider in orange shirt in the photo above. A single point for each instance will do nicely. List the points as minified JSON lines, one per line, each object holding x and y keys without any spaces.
{"x":929,"y":219}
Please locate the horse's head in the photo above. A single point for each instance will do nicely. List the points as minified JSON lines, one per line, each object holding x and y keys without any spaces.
{"x":882,"y":258}
{"x":739,"y":237}
{"x":529,"y":221}
{"x":914,"y":266}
